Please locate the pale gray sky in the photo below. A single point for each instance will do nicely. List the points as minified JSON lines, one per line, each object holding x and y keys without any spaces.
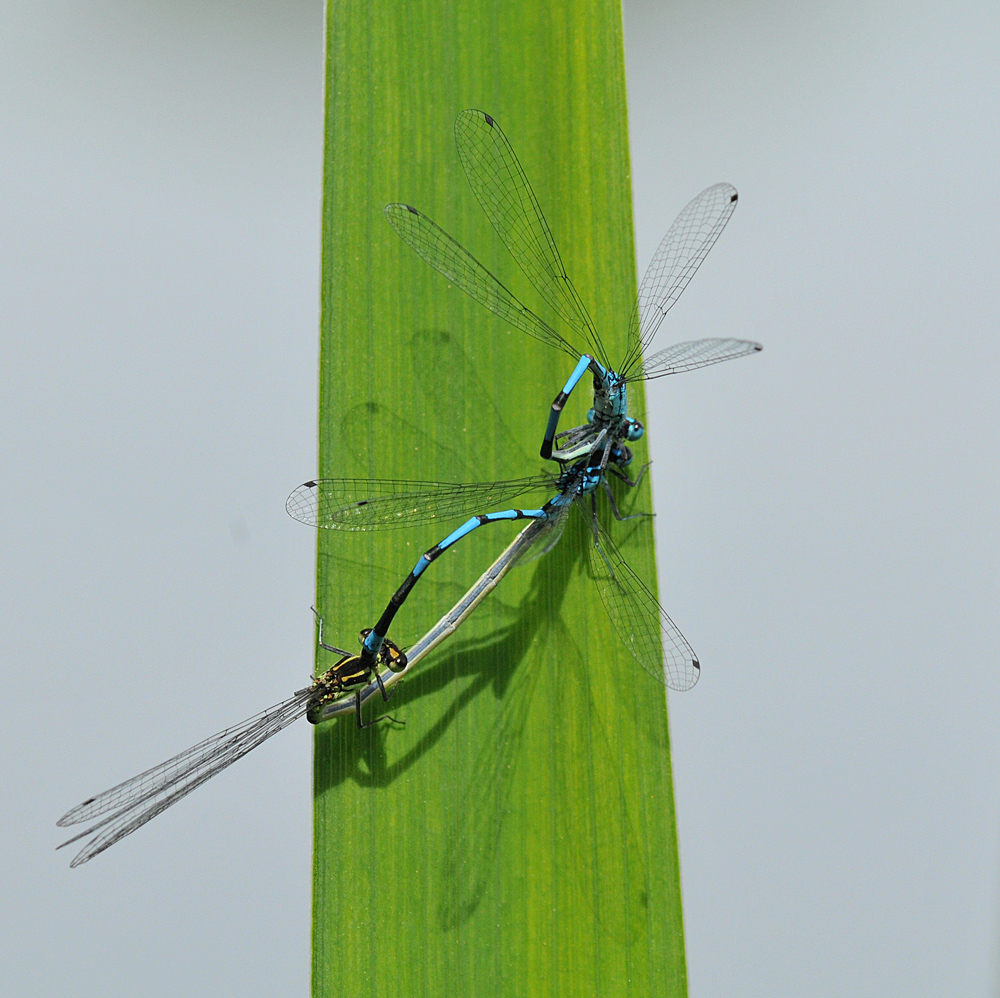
{"x":826,"y":524}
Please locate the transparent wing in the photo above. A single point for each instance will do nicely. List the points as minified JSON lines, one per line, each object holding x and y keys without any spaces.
{"x":675,"y":262}
{"x":143,"y":797}
{"x":548,"y":536}
{"x":503,"y":191}
{"x":642,"y":624}
{"x":691,"y":355}
{"x":362,"y":504}
{"x":450,"y":258}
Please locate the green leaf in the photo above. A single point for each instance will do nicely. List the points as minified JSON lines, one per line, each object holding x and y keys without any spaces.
{"x":517,"y":836}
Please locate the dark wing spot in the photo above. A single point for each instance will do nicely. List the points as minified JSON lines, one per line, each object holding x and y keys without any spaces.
{"x":413,"y":210}
{"x":309,"y":485}
{"x":733,"y":198}
{"x":361,"y":502}
{"x":489,"y":120}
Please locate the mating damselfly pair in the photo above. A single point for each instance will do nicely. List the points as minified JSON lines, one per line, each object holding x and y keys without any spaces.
{"x":586,"y":455}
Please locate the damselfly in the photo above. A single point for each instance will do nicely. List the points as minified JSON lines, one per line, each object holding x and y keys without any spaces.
{"x":449,"y":623}
{"x":641,"y":623}
{"x":584,"y":453}
{"x":502,"y":189}
{"x":129,"y":805}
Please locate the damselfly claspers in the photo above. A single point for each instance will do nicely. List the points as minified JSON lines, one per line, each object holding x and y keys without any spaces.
{"x":129,"y":805}
{"x":642,"y":624}
{"x":584,"y":453}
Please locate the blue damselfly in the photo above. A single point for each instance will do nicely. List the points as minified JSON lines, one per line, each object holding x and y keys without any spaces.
{"x":586,"y":454}
{"x":352,"y":504}
{"x":505,"y":195}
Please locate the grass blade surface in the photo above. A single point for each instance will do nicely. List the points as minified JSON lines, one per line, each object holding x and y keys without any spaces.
{"x":517,"y":837}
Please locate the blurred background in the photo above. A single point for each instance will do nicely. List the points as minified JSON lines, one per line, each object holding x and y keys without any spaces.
{"x":826,"y":511}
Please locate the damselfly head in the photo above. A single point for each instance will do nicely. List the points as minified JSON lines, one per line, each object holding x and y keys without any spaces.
{"x":390,"y":655}
{"x":634,"y":429}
